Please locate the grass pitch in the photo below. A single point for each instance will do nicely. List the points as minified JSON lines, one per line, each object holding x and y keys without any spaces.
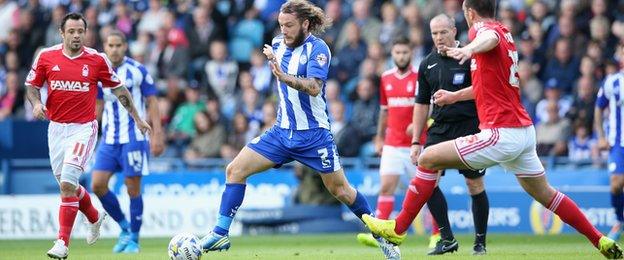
{"x":323,"y":247}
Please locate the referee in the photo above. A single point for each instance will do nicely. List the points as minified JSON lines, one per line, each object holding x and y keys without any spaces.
{"x":438,"y":71}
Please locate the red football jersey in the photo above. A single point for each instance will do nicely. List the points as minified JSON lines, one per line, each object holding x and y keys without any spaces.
{"x":72,"y":82}
{"x":495,"y":80}
{"x":398,"y":94}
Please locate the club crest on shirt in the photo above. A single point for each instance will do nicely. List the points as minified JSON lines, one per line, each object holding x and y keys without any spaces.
{"x":321,"y":58}
{"x":458,"y":78}
{"x":303,"y":59}
{"x":410,"y":87}
{"x":85,"y":70}
{"x":388,"y":87}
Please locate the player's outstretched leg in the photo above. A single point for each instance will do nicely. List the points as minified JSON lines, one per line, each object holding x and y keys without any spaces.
{"x":570,"y":213}
{"x":339,"y":187}
{"x":136,"y":220}
{"x":67,"y":215}
{"x":111,"y":205}
{"x":417,"y":194}
{"x":480,"y":210}
{"x":439,"y":210}
{"x":94,"y":217}
{"x":617,"y":201}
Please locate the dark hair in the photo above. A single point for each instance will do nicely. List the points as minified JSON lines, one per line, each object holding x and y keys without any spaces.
{"x":116,"y":33}
{"x":400,"y":39}
{"x":73,"y":16}
{"x":484,"y":8}
{"x":305,"y":10}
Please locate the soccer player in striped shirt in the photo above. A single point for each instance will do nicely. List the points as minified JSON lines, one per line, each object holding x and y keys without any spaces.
{"x":300,"y":62}
{"x":122,"y":146}
{"x":610,"y":97}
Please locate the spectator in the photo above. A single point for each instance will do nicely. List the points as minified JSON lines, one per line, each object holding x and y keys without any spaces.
{"x":531,"y":88}
{"x":209,"y":139}
{"x":582,"y":108}
{"x":365,"y":110}
{"x":240,"y":135}
{"x":419,"y":51}
{"x":552,"y":93}
{"x":588,"y":69}
{"x":153,"y":19}
{"x":269,"y":114}
{"x":599,"y":31}
{"x":8,"y":98}
{"x":344,"y":133}
{"x":351,"y":55}
{"x":563,"y":69}
{"x":221,"y":75}
{"x":540,"y":14}
{"x":8,"y":11}
{"x":123,"y":20}
{"x":332,"y":92}
{"x":391,"y":26}
{"x":201,"y":34}
{"x":182,"y":128}
{"x":369,"y":26}
{"x":553,"y":134}
{"x":260,"y":73}
{"x":582,"y":147}
{"x":52,"y":36}
{"x":566,"y":29}
{"x":333,"y":9}
{"x":250,"y":108}
{"x":105,"y":12}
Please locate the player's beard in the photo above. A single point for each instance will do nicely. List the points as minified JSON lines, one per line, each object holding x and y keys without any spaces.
{"x":402,"y":67}
{"x":299,"y":38}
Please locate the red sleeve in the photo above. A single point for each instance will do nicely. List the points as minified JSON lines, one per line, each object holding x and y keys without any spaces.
{"x":383,"y":100}
{"x":37,"y":75}
{"x":106,"y":75}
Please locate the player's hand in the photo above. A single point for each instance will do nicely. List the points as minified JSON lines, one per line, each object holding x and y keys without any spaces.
{"x":143,"y":126}
{"x":379,"y":142}
{"x":415,"y":153}
{"x":277,"y":71}
{"x":444,"y":97}
{"x":268,"y":52}
{"x":157,"y":143}
{"x":603,"y":144}
{"x":40,"y":111}
{"x":460,"y":54}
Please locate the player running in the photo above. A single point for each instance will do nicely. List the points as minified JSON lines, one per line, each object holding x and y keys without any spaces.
{"x":71,"y":72}
{"x":300,"y":62}
{"x":507,"y":134}
{"x":609,"y":97}
{"x":397,"y":90}
{"x":123,"y":147}
{"x":438,"y":71}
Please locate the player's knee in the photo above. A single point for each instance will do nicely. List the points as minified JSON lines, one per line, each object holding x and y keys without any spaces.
{"x":386,"y":189}
{"x":233,"y":173}
{"x":99,"y":188}
{"x":475,"y":186}
{"x":69,"y":180}
{"x":68,"y":189}
{"x":427,"y":160}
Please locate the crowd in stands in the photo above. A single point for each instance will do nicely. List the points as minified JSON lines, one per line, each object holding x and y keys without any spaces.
{"x":217,"y":91}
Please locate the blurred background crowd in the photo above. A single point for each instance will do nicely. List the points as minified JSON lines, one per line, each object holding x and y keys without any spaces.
{"x":217,"y":91}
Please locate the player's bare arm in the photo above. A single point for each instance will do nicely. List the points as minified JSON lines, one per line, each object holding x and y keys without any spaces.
{"x":382,"y":123}
{"x":157,"y":140}
{"x":99,"y":110}
{"x":311,"y":86}
{"x":124,"y":97}
{"x":603,"y":144}
{"x":34,"y":96}
{"x":484,"y":42}
{"x":419,"y":119}
{"x":444,"y":97}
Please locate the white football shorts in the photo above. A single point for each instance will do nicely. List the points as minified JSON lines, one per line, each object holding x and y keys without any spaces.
{"x":512,"y":148}
{"x":71,"y":144}
{"x":396,"y":161}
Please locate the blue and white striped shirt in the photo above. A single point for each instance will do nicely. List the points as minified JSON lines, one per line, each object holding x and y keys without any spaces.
{"x":298,"y":110}
{"x":611,"y":95}
{"x":118,"y":127}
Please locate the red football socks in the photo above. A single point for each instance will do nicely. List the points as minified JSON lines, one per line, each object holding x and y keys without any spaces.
{"x":85,"y":205}
{"x":420,"y":189}
{"x":385,"y":204}
{"x":570,"y":213}
{"x":67,"y":215}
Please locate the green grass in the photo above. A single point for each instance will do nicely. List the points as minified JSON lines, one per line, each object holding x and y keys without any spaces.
{"x":323,"y":247}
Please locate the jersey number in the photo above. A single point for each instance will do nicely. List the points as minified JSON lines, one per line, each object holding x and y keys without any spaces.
{"x":513,"y":70}
{"x":325,"y":163}
{"x":135,"y":160}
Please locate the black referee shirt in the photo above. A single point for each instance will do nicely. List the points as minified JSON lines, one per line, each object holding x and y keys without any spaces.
{"x":441,"y":72}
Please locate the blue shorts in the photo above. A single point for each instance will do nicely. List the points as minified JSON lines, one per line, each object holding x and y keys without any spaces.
{"x":129,"y":158}
{"x":313,"y":147}
{"x":616,"y":160}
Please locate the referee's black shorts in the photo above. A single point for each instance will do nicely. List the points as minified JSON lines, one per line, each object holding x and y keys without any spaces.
{"x":442,"y":131}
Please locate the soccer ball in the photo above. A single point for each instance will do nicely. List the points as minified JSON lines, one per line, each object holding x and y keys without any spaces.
{"x":184,"y":247}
